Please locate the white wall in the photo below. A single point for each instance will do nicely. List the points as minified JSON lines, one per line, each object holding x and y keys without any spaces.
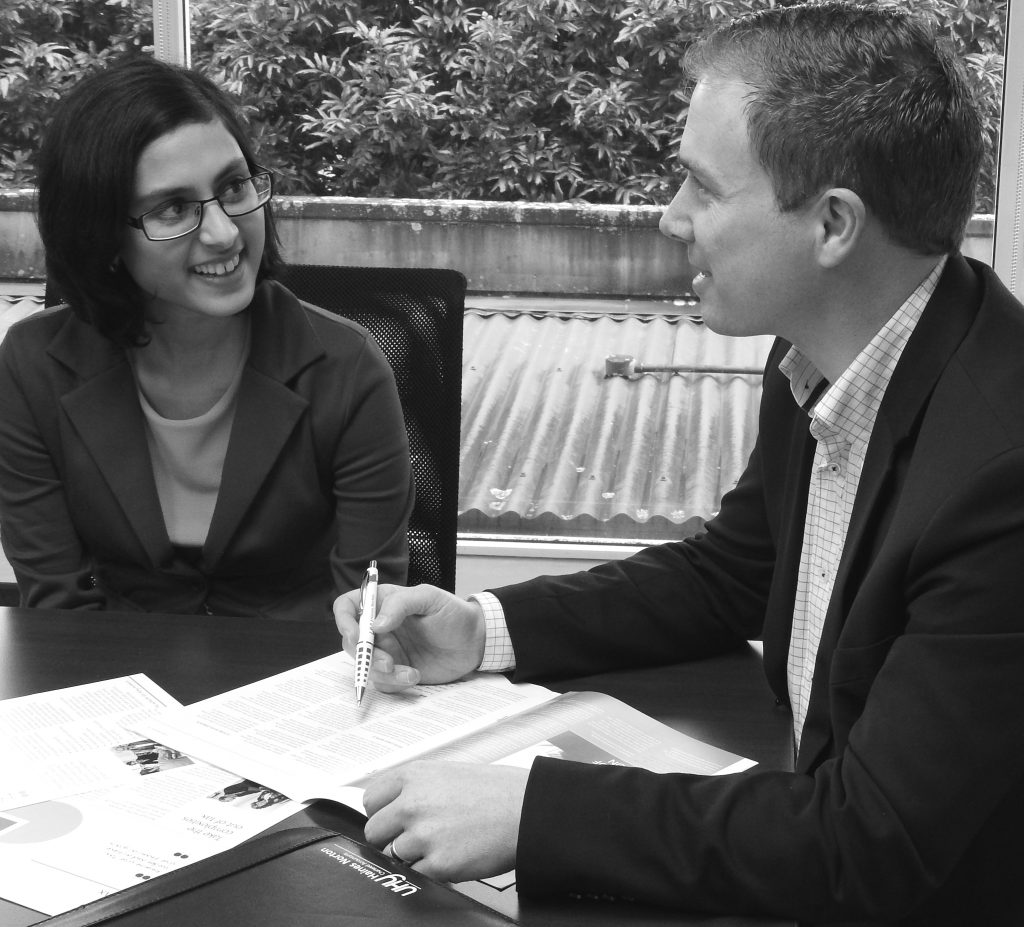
{"x":487,"y":564}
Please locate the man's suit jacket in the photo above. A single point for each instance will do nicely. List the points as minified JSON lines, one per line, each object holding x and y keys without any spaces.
{"x":316,"y":480}
{"x":907,"y":804}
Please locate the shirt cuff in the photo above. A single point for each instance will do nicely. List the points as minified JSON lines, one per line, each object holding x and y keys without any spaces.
{"x":498,"y":653}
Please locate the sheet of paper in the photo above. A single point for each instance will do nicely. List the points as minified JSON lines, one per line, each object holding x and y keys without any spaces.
{"x":56,"y":855}
{"x":62,"y":742}
{"x":590,"y":727}
{"x":300,"y":732}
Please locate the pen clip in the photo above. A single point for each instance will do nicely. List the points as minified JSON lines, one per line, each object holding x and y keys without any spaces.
{"x":366,"y":594}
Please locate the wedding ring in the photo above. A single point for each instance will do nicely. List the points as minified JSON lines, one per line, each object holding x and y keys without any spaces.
{"x":390,"y":850}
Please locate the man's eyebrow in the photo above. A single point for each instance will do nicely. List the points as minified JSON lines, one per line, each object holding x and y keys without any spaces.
{"x":695,"y":168}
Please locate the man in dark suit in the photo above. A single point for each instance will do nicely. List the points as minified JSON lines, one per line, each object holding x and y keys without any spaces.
{"x":874,"y":541}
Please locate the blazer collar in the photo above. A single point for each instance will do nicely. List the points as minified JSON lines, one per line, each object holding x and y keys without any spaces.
{"x":942,"y":327}
{"x":268,"y":410}
{"x":105,"y":412}
{"x":283,"y":341}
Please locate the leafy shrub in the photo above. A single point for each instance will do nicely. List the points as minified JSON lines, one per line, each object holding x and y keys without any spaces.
{"x":45,"y":46}
{"x":541,"y":100}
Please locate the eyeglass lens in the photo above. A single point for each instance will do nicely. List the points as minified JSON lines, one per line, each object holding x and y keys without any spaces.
{"x":237,"y":199}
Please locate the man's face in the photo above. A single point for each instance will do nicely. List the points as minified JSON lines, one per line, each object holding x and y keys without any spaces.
{"x":753,"y":262}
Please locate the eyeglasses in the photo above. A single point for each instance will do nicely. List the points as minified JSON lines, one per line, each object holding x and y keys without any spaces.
{"x":181,"y":217}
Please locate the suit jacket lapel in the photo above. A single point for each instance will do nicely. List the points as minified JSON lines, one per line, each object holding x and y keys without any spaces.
{"x":943,"y":325}
{"x":105,"y":413}
{"x":268,"y":410}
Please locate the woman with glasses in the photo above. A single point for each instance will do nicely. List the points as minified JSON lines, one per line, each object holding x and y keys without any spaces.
{"x":184,"y":435}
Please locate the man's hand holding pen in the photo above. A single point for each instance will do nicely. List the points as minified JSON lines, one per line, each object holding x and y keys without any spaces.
{"x":451,"y":821}
{"x":421,"y":634}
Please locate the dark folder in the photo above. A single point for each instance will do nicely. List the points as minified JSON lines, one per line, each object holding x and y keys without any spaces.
{"x":303,"y":877}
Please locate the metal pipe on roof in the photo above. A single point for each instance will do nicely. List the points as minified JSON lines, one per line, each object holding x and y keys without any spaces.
{"x":626,"y":366}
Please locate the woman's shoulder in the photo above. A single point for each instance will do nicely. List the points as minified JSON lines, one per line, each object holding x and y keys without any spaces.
{"x":28,"y":338}
{"x":334,"y":325}
{"x":309,"y":327}
{"x":40,"y":324}
{"x":290,"y":336}
{"x":322,"y":321}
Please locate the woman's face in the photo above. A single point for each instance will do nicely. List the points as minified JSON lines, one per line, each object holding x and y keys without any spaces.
{"x":210,"y":272}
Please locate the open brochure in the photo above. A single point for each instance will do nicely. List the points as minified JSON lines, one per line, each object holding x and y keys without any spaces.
{"x":90,"y":808}
{"x":59,"y":743}
{"x":300,"y":732}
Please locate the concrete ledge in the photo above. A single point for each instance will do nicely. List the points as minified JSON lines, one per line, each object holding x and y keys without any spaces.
{"x":551,"y":249}
{"x":542,"y":249}
{"x":21,"y":252}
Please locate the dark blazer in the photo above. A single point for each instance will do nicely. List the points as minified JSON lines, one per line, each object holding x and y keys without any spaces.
{"x":907,"y":804}
{"x":316,"y":482}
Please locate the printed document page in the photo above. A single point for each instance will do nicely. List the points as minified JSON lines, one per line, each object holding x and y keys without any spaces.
{"x":58,"y":743}
{"x":57,"y":855}
{"x":301,"y":732}
{"x":90,"y":808}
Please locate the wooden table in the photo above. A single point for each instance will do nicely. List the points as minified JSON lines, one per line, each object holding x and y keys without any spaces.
{"x":724,"y":701}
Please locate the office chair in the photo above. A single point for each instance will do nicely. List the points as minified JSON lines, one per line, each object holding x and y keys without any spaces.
{"x":415,"y":314}
{"x":9,"y":594}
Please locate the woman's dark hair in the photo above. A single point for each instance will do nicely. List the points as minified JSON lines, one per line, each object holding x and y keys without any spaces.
{"x":86,"y":175}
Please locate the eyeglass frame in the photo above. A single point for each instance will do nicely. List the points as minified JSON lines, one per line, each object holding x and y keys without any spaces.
{"x":136,"y":222}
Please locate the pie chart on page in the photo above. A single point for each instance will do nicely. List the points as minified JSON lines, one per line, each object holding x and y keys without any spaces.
{"x":46,"y":820}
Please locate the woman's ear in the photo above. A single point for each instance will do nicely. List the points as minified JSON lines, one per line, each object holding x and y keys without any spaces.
{"x":841,"y":218}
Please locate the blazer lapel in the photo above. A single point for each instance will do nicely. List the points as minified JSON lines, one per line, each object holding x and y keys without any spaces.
{"x":943,"y":325}
{"x":105,"y":414}
{"x":268,"y":410}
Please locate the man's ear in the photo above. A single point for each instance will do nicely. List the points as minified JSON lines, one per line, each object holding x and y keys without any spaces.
{"x":841,"y":218}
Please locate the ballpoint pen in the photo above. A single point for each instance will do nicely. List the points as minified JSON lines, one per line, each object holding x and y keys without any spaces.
{"x":364,"y":646}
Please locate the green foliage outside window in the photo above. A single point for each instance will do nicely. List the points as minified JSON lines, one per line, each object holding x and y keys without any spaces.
{"x":540,"y":100}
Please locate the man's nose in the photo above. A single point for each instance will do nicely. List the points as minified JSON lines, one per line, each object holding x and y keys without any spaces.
{"x":675,"y":221}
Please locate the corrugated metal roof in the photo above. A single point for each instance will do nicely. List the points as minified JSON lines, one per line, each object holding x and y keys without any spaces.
{"x":551,"y":446}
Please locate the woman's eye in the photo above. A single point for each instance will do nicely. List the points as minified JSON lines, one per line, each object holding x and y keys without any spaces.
{"x":236,"y":189}
{"x":169,"y":212}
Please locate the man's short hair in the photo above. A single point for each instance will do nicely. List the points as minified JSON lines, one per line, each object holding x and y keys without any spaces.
{"x":859,"y":96}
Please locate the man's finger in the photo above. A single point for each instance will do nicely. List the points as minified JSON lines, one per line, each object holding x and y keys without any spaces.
{"x":398,"y":603}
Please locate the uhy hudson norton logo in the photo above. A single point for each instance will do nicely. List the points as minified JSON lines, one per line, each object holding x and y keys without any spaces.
{"x":385,"y":878}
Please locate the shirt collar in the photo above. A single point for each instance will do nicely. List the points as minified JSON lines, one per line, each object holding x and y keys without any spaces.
{"x":851,"y":403}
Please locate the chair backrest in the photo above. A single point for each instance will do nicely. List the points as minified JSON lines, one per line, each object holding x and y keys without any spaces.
{"x":9,"y":595}
{"x":415,"y":314}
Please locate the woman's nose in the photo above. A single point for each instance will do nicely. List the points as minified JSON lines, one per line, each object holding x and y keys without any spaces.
{"x":675,"y":220}
{"x":217,"y":225}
